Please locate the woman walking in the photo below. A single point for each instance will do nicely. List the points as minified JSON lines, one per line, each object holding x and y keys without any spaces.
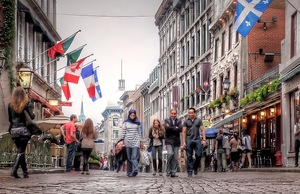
{"x":247,"y":149}
{"x":132,"y":138}
{"x":16,"y":114}
{"x":87,"y":144}
{"x":235,"y":154}
{"x":156,"y":135}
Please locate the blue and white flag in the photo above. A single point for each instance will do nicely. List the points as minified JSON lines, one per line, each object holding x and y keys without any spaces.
{"x":97,"y":87}
{"x":87,"y":74}
{"x":247,"y":14}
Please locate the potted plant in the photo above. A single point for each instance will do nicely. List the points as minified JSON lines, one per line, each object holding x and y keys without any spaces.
{"x":94,"y":161}
{"x":233,"y":94}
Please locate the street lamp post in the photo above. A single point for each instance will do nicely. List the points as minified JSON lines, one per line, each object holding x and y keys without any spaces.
{"x":226,"y":85}
{"x":2,"y":61}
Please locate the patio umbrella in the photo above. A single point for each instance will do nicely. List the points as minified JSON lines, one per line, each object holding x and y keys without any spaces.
{"x":52,"y":122}
{"x":99,"y":140}
{"x":211,"y":133}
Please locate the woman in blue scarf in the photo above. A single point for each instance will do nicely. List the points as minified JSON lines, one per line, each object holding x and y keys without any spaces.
{"x":132,"y":138}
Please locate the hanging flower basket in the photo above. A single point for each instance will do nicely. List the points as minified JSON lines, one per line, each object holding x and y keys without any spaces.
{"x":197,"y":91}
{"x":233,"y":94}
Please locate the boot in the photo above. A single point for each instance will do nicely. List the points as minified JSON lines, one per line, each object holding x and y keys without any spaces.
{"x":16,"y":165}
{"x":24,"y":166}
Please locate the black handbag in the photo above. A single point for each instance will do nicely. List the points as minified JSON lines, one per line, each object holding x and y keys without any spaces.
{"x":19,"y":132}
{"x":31,"y":124}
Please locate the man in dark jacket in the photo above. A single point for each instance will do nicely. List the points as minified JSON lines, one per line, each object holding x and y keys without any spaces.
{"x":173,"y":128}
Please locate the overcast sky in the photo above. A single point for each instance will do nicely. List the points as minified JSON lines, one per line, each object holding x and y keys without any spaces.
{"x":113,"y":30}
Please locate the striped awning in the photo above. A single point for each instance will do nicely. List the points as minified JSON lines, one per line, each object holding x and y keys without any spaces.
{"x":290,"y":74}
{"x":228,"y":119}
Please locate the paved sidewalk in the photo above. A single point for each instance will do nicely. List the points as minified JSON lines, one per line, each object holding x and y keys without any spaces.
{"x":6,"y":171}
{"x":100,"y":181}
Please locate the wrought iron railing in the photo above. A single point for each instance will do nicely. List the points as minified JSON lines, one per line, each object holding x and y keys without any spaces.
{"x":265,"y":78}
{"x":38,"y":152}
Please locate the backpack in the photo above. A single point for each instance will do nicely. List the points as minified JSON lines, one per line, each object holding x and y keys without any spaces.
{"x":225,"y":142}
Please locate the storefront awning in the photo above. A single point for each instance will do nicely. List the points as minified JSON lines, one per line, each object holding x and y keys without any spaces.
{"x":35,"y":96}
{"x":228,"y":119}
{"x":290,"y":74}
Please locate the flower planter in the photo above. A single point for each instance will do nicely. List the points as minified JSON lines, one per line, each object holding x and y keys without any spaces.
{"x":94,"y":165}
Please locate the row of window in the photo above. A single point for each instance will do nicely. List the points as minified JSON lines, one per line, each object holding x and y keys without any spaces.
{"x":229,"y":37}
{"x":47,"y":7}
{"x":31,"y":47}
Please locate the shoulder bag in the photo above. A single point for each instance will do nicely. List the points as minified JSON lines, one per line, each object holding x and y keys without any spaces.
{"x":87,"y":143}
{"x":119,"y":146}
{"x":144,"y":159}
{"x":31,"y":124}
{"x":16,"y":132}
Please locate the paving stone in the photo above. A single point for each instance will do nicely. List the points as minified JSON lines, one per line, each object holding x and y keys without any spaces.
{"x":111,"y":182}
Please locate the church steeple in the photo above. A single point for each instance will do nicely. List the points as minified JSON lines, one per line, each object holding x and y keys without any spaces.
{"x":121,"y":81}
{"x":81,"y":117}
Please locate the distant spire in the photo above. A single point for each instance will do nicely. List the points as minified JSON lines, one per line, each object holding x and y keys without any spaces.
{"x":81,"y":117}
{"x":121,"y":81}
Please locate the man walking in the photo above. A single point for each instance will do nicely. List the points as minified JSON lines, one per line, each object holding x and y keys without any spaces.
{"x":192,"y":142}
{"x":71,"y":140}
{"x":173,"y":128}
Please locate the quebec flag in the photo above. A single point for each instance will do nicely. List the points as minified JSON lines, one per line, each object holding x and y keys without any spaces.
{"x":247,"y":14}
{"x":97,"y":87}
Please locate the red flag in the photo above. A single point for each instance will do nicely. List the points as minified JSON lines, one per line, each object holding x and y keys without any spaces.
{"x":65,"y":88}
{"x":56,"y":49}
{"x":61,"y":47}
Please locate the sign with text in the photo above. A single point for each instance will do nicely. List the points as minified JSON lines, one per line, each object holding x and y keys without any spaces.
{"x":25,"y":77}
{"x":64,"y":103}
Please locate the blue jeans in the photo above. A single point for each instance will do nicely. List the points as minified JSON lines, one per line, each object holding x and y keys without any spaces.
{"x":132,"y":160}
{"x":71,"y":153}
{"x":172,"y":159}
{"x":157,"y":149}
{"x":193,"y":145}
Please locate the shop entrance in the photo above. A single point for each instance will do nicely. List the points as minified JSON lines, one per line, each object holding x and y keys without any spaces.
{"x":268,"y":140}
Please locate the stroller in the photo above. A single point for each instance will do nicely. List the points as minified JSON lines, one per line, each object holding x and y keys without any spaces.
{"x":120,"y":155}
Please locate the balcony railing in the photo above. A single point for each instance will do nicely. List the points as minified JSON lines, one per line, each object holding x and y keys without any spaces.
{"x":265,"y":78}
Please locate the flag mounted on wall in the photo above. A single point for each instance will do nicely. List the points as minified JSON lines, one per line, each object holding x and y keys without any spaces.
{"x":248,"y":13}
{"x":98,"y":93}
{"x":73,"y":71}
{"x":87,"y":75}
{"x":61,"y":47}
{"x":65,"y":88}
{"x":73,"y":56}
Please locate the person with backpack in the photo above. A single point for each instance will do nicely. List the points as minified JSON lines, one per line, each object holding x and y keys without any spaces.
{"x":247,"y":149}
{"x":221,"y":152}
{"x":191,"y":140}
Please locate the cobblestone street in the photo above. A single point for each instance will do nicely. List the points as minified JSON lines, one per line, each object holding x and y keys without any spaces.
{"x":111,"y":182}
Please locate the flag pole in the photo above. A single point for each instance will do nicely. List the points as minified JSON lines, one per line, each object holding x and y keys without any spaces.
{"x":83,"y":66}
{"x":51,"y":47}
{"x":46,"y":64}
{"x":61,"y":56}
{"x":65,"y":67}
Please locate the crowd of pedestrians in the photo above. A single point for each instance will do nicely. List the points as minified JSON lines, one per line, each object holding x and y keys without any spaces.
{"x":185,"y":144}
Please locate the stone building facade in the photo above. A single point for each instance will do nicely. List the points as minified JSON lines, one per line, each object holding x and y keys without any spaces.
{"x":35,"y":32}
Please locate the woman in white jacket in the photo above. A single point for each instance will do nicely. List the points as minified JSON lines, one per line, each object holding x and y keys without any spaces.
{"x":247,"y":149}
{"x":132,"y":139}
